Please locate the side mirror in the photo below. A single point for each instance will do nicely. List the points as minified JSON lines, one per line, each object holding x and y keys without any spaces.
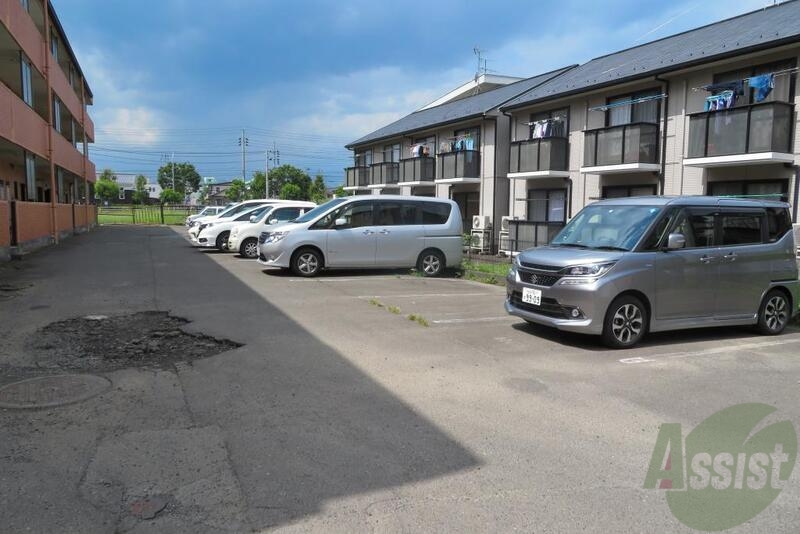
{"x":340,"y":222}
{"x":273,"y":221}
{"x":676,"y":241}
{"x":253,"y":218}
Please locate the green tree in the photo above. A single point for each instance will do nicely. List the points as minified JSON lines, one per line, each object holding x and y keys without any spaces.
{"x":187,"y":179}
{"x":289,"y":174}
{"x":169,"y":196}
{"x":140,"y":190}
{"x":290,"y":191}
{"x":318,"y":193}
{"x":237,"y":190}
{"x":257,"y":188}
{"x":340,"y":192}
{"x":105,"y":188}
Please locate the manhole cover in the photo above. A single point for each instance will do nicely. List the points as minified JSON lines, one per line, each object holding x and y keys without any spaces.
{"x":49,"y":391}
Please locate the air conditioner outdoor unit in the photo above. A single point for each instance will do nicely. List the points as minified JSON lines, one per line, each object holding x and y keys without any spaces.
{"x":480,"y":222}
{"x":505,"y":243}
{"x":480,"y":240}
{"x":504,"y":222}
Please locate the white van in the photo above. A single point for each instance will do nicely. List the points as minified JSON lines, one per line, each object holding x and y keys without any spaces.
{"x":373,"y":231}
{"x":244,"y":235}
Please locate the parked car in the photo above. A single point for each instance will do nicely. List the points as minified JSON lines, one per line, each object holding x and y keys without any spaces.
{"x":231,"y":212}
{"x":368,"y":231}
{"x":215,"y":233}
{"x":244,"y":236}
{"x":207,"y":211}
{"x":624,"y":267}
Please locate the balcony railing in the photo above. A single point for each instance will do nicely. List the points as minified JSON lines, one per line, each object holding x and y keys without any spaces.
{"x":460,"y":164}
{"x":535,"y":155}
{"x":620,"y":145}
{"x":357,"y":176}
{"x":528,"y":234}
{"x":762,"y":127}
{"x":385,"y":173}
{"x":422,"y":169}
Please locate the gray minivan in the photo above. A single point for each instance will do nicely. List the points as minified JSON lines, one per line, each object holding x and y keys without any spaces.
{"x":626,"y":266}
{"x":368,"y":231}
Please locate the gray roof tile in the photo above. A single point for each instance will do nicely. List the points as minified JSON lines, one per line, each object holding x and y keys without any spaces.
{"x":763,"y":28}
{"x":459,"y":109}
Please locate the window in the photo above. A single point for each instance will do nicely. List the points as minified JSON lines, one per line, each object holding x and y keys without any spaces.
{"x":364,"y":158}
{"x":30,"y":176}
{"x":357,"y":214}
{"x":784,"y":85}
{"x":621,"y":191}
{"x":630,"y":113}
{"x":658,"y":235}
{"x":467,"y":139}
{"x":27,"y":84}
{"x":429,"y":144}
{"x":760,"y":189}
{"x":391,"y":153}
{"x":396,"y":213}
{"x":547,"y":205}
{"x":26,"y":5}
{"x":607,"y":227}
{"x":553,"y":123}
{"x":741,"y":228}
{"x":57,"y":114}
{"x":285,"y":214}
{"x":779,"y":223}
{"x":54,"y":44}
{"x":697,"y":227}
{"x":435,"y":212}
{"x":62,"y":194}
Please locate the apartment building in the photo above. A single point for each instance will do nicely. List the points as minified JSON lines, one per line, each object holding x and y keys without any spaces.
{"x":708,"y":111}
{"x":456,"y":147}
{"x":46,"y":176}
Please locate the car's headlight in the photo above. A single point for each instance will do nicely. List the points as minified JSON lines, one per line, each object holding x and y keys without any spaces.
{"x":274,"y":237}
{"x":584,"y":274}
{"x":512,"y":271}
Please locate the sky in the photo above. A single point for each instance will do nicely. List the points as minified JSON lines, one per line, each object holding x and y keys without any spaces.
{"x":185,"y":77}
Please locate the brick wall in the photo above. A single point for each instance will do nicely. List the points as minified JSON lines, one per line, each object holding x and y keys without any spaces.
{"x":33,"y":221}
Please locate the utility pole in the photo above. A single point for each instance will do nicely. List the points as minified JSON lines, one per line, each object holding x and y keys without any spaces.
{"x":243,"y":142}
{"x":173,"y":171}
{"x":275,"y":156}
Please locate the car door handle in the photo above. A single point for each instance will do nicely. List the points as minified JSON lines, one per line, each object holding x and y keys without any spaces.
{"x":729,"y":257}
{"x":706,"y":259}
{"x":368,"y":232}
{"x":384,"y":232}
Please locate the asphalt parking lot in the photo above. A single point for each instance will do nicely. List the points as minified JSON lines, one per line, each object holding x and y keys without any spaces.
{"x":339,"y":413}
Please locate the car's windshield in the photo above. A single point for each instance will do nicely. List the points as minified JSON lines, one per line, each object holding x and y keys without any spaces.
{"x":228,"y":211}
{"x":319,"y":210}
{"x":607,"y":227}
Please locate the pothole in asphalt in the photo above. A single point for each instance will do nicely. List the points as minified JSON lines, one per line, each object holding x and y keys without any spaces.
{"x":50,"y":391}
{"x":150,"y":339}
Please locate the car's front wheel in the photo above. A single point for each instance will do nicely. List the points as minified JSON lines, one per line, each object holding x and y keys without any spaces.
{"x":249,"y":248}
{"x":625,"y":322}
{"x":222,"y":241}
{"x":774,"y":314}
{"x":306,"y":262}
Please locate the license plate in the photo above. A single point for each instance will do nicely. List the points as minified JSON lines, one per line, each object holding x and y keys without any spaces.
{"x":532,"y":296}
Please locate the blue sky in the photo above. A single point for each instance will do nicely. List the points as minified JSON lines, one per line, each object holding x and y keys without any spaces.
{"x":186,"y":76}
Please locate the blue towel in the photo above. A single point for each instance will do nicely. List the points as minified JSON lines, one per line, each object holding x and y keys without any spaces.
{"x":762,"y":85}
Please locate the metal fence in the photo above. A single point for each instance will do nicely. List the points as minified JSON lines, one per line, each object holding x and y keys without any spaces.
{"x":528,"y":234}
{"x":145,"y":214}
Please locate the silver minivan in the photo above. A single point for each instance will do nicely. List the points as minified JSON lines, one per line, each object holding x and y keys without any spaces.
{"x":623,"y":267}
{"x":372,"y":231}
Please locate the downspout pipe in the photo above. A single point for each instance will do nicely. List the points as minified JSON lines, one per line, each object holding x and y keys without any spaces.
{"x":796,"y":192}
{"x":663,"y":177}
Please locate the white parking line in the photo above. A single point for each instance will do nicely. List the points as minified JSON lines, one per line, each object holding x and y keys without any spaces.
{"x":472,"y":320}
{"x":420,"y":295}
{"x":710,"y":352}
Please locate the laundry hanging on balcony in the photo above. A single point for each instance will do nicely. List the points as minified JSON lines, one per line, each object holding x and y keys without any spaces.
{"x":420,"y":150}
{"x":762,"y":86}
{"x":606,"y":107}
{"x":455,"y":144}
{"x":723,"y":100}
{"x":553,"y":127}
{"x":737,"y":87}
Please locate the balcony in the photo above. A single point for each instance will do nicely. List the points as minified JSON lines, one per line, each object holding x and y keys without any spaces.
{"x":384,"y":174}
{"x":539,"y":158}
{"x":754,"y":134}
{"x":418,"y":171}
{"x":463,"y":166}
{"x":621,"y":149}
{"x":356,"y":178}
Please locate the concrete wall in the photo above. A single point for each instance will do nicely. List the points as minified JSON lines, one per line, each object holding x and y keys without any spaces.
{"x":33,"y":222}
